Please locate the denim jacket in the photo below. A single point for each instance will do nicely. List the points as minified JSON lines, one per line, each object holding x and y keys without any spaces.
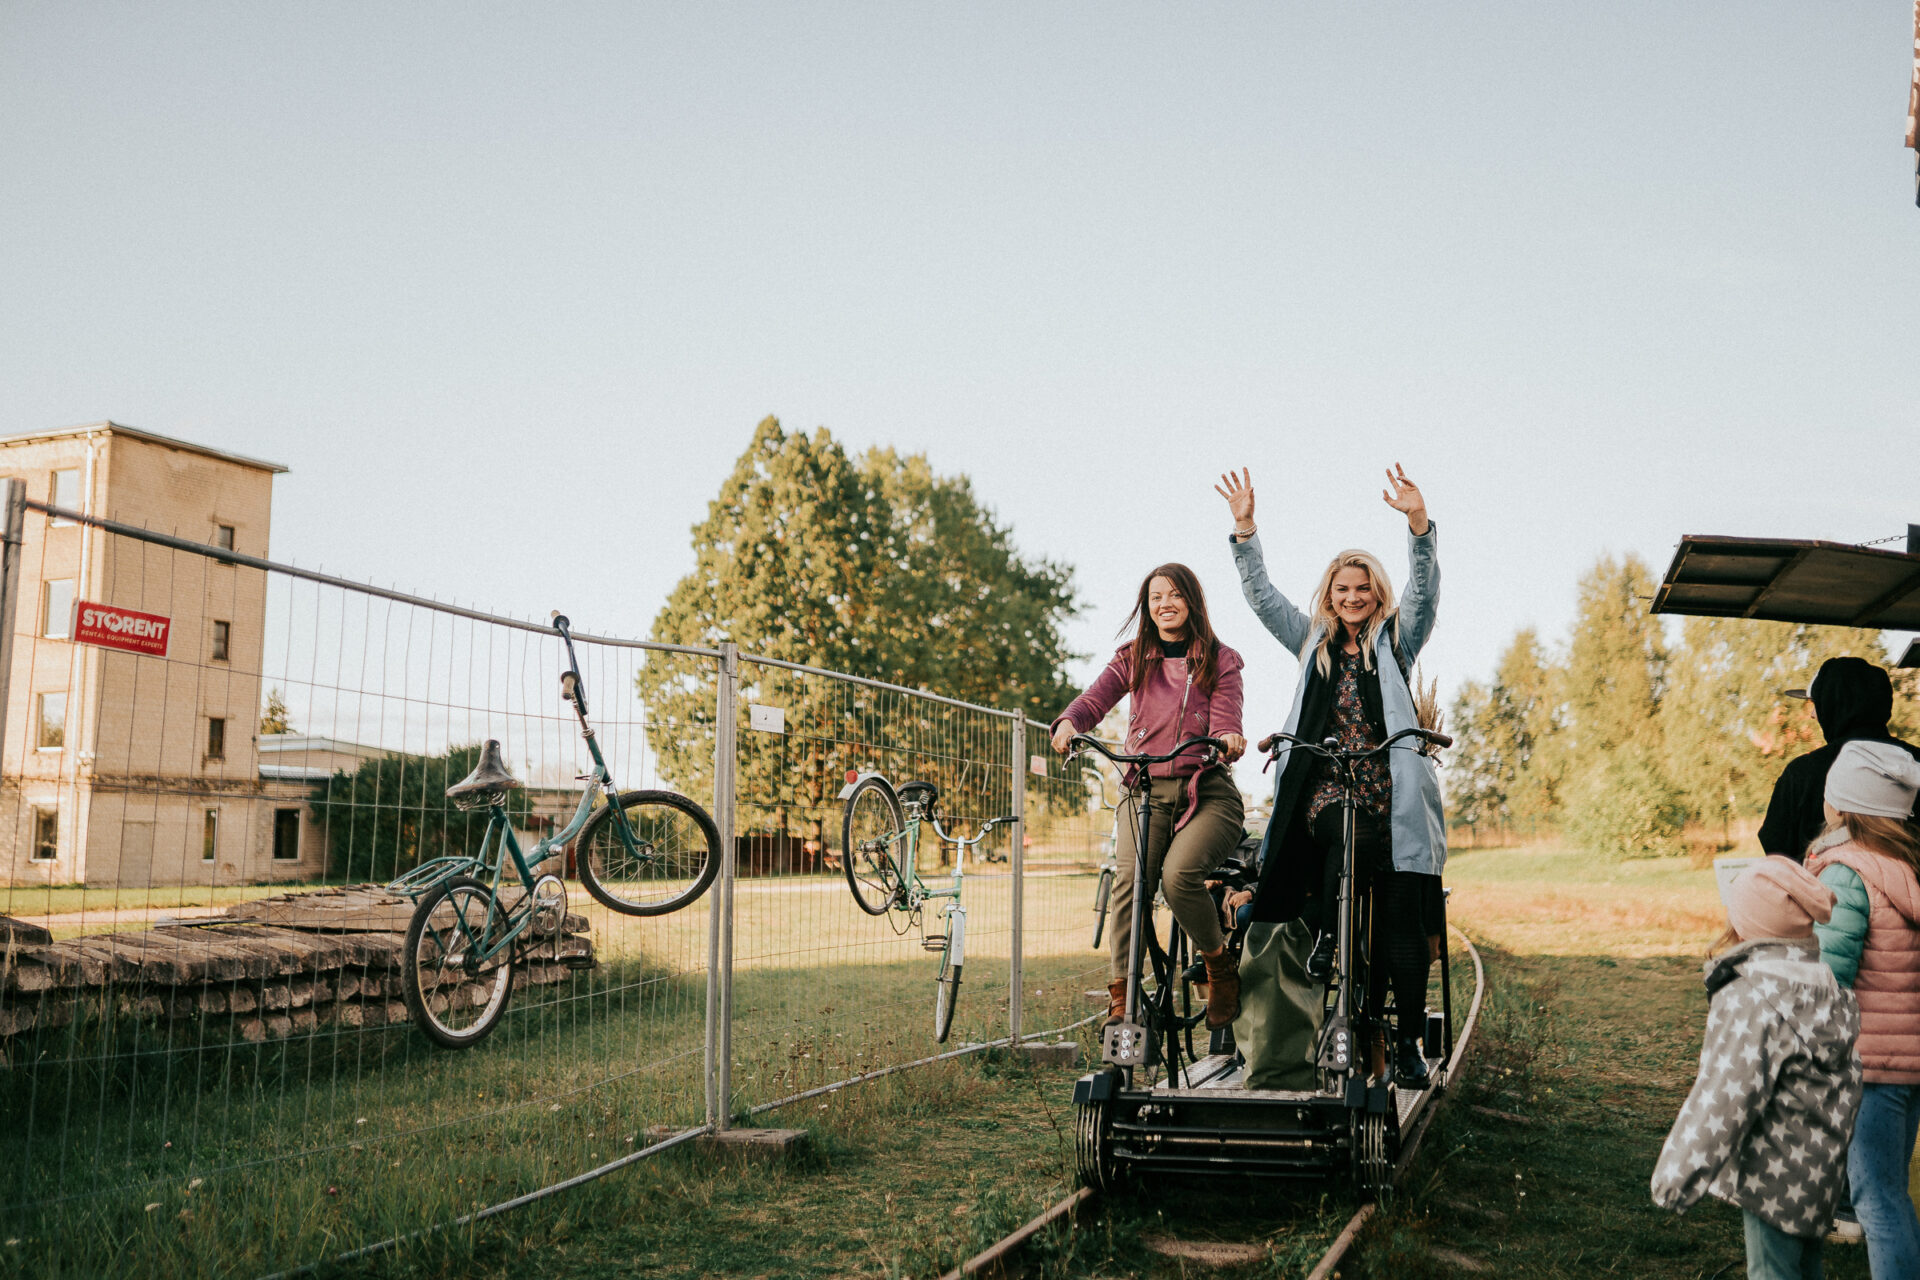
{"x":1419,"y":827}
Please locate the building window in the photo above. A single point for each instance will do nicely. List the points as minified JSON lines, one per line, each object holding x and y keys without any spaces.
{"x":46,"y":835}
{"x":210,"y":836}
{"x":53,"y":721}
{"x":56,"y":608}
{"x":223,"y":536}
{"x":216,"y":739}
{"x":286,"y":835}
{"x":222,"y":631}
{"x":66,"y":491}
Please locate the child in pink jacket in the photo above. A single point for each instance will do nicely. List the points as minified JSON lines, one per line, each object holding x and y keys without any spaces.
{"x":1868,"y":857}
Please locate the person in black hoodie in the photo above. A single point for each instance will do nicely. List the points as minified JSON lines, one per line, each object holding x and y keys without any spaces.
{"x":1852,"y":699}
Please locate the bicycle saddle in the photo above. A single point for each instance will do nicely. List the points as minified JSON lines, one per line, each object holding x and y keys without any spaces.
{"x":920,"y":793}
{"x":489,"y":777}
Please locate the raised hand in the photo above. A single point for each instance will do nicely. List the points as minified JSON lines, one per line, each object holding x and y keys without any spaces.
{"x":1404,"y":496}
{"x":1238,"y":491}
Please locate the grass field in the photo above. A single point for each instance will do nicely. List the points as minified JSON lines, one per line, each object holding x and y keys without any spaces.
{"x":152,"y":1147}
{"x":1537,"y":1167}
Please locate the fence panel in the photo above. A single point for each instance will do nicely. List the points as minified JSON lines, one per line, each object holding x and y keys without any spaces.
{"x":1069,"y":837}
{"x":822,"y":991}
{"x":208,"y":1068}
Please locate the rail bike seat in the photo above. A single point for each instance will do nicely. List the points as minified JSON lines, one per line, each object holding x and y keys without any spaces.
{"x":488,"y":779}
{"x":921,"y":793}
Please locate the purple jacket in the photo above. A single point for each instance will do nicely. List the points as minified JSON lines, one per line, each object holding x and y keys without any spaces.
{"x":1156,"y":721}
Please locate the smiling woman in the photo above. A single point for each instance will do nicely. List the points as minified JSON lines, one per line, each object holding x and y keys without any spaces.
{"x":1356,"y":645}
{"x":1180,"y":683}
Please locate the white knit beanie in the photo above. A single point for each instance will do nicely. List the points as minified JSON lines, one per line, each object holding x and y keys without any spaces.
{"x":1879,"y":779}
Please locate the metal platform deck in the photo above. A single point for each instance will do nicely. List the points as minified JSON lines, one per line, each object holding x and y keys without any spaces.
{"x":1218,"y":1076}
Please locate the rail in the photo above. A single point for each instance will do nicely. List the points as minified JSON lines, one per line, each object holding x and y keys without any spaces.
{"x":995,"y":1257}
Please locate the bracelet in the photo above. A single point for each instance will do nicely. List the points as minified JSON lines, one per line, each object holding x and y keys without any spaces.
{"x":1244,"y":534}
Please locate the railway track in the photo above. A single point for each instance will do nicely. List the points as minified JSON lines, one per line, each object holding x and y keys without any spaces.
{"x":1000,"y":1256}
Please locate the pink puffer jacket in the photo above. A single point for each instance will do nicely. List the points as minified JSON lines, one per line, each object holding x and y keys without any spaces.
{"x":1888,"y":983}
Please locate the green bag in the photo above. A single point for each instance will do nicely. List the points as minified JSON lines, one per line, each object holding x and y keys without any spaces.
{"x":1280,"y":1010}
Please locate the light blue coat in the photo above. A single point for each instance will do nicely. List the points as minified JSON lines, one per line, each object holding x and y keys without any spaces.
{"x":1419,"y":825}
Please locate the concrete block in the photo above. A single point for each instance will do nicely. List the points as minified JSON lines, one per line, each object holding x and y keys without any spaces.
{"x":744,"y":1144}
{"x":1060,"y":1053}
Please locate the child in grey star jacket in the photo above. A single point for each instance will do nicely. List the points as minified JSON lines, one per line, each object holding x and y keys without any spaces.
{"x":1767,"y":1123}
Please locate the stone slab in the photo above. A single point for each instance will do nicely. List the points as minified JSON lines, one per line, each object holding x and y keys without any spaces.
{"x":1058,"y":1053}
{"x":21,"y":931}
{"x":744,"y":1144}
{"x":1208,"y":1253}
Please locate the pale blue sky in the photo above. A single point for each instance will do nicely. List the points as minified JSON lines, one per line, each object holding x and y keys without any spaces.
{"x":507,"y":287}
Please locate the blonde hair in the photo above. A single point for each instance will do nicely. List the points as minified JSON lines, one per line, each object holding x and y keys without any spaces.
{"x":1384,"y":612}
{"x":1889,"y":837}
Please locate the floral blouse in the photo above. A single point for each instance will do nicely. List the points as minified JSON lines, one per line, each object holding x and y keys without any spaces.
{"x":1374,"y":781}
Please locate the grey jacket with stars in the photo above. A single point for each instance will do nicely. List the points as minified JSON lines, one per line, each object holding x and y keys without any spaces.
{"x":1767,"y":1124}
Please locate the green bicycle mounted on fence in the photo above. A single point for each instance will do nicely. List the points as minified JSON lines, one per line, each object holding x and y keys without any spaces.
{"x":879,"y":850}
{"x":641,"y":853}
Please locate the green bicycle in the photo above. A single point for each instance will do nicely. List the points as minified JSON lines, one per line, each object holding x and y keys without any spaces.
{"x":879,"y":848}
{"x":642,"y":853}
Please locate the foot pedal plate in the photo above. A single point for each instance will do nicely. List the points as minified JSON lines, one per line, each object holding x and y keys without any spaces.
{"x":1124,"y":1044}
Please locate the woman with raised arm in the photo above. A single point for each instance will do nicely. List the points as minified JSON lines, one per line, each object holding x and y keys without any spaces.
{"x":1180,"y":683}
{"x":1355,"y":648}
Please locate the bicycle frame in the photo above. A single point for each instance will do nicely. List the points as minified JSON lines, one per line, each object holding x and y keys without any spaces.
{"x":502,"y":843}
{"x":1126,"y":1043}
{"x":1336,"y":1036}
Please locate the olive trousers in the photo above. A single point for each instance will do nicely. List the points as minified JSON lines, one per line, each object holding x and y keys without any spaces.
{"x":1178,"y":862}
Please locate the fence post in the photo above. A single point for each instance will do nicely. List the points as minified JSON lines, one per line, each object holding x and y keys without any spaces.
{"x":719,"y":1046}
{"x":13,"y":529}
{"x":1016,"y":970}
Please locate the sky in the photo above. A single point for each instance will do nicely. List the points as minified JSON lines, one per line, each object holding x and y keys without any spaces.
{"x":508,"y":287}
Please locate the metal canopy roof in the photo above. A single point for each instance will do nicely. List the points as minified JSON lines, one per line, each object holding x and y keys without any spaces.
{"x":1833,"y":583}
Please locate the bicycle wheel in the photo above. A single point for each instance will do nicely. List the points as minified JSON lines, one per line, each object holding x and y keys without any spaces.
{"x":870,"y":835}
{"x":946,"y":993}
{"x":455,"y":998}
{"x":1102,"y":894}
{"x":673,"y":857}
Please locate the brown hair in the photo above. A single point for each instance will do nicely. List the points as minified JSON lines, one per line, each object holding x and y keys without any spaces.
{"x":1888,"y":836}
{"x":1203,"y":647}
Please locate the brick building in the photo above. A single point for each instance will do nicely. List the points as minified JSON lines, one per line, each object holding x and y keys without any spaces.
{"x":130,"y":769}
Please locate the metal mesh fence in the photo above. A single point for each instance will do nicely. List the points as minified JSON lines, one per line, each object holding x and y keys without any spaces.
{"x":208,"y":1063}
{"x":213,"y":766}
{"x":824,"y":991}
{"x":1069,"y":838}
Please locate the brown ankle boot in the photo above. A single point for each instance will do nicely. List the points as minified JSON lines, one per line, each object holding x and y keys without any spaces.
{"x":1116,"y":1002}
{"x":1223,"y":989}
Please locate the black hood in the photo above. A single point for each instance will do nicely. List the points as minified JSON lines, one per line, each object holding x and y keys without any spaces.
{"x":1852,"y":698}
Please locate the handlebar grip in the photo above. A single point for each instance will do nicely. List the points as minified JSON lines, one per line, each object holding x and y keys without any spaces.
{"x":1001,"y":821}
{"x":1268,"y":743}
{"x":1439,"y":739}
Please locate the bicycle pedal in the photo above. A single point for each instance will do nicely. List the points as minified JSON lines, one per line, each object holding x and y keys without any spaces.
{"x":934,"y":943}
{"x":578,"y":960}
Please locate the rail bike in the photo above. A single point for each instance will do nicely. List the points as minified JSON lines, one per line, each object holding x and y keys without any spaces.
{"x":1160,"y":1106}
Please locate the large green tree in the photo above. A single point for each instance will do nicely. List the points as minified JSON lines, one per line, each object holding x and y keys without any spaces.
{"x":877,"y":567}
{"x":1727,"y":727}
{"x":1619,"y":798}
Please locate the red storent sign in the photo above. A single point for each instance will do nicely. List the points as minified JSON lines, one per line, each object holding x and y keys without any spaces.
{"x":115,"y":628}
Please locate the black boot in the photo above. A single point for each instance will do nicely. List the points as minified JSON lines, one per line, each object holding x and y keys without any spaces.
{"x":1320,"y":963}
{"x":1409,"y":1067}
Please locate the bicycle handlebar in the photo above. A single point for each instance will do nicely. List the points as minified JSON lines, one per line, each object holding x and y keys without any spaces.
{"x":986,"y":829}
{"x":1329,"y":750}
{"x":1214,"y":745}
{"x":572,"y":687}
